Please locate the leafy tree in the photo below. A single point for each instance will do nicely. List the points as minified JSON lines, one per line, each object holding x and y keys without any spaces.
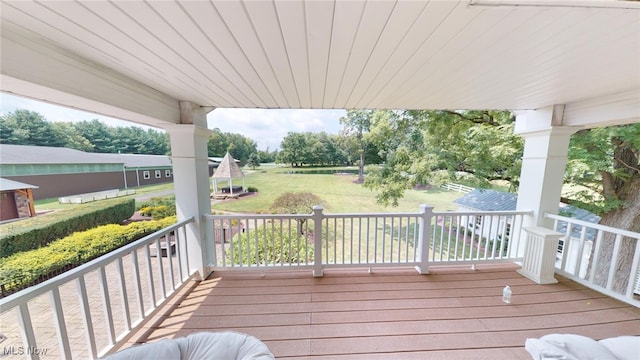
{"x":135,"y":140}
{"x":25,"y":127}
{"x":296,"y":203}
{"x":239,"y":146}
{"x":159,"y":141}
{"x":308,"y":148}
{"x":265,"y":156}
{"x":100,"y":135}
{"x":293,"y":149}
{"x":253,"y":161}
{"x":335,"y":155}
{"x":605,"y":163}
{"x":71,"y":139}
{"x":356,"y":124}
{"x":420,"y":147}
{"x":317,"y":152}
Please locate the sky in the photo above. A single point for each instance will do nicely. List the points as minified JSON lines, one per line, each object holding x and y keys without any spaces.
{"x":266,"y":127}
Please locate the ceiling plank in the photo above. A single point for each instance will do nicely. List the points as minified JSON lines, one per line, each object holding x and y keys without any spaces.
{"x":266,"y":26}
{"x":36,"y":69}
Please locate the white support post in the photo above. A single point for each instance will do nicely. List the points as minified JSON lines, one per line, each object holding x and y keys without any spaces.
{"x":539,"y":259}
{"x":543,"y":164}
{"x":424,"y":238}
{"x":191,"y":184}
{"x":317,"y":241}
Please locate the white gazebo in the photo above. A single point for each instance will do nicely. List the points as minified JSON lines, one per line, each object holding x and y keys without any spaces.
{"x":227,"y":171}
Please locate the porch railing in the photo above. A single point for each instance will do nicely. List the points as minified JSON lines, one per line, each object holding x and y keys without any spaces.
{"x":600,"y":257}
{"x":320,"y":240}
{"x":114,"y":294}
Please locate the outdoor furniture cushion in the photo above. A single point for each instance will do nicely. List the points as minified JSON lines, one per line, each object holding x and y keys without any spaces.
{"x":224,"y":345}
{"x":577,"y":347}
{"x":163,"y":349}
{"x":198,"y":346}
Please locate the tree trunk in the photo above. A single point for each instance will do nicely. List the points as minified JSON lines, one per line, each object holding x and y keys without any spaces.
{"x":361,"y":168}
{"x":301,"y":226}
{"x":627,"y":217}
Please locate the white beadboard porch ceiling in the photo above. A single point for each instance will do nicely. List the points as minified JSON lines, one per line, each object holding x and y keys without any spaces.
{"x":435,"y":54}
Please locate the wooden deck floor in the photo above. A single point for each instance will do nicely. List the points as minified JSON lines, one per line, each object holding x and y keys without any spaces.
{"x":453,"y":313}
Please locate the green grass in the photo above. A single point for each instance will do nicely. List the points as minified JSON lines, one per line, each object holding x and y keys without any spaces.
{"x":338,"y":192}
{"x":53,"y":204}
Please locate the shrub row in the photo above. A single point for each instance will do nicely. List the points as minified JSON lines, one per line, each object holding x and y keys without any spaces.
{"x":30,"y":267}
{"x":36,"y":232}
{"x":158,"y":207}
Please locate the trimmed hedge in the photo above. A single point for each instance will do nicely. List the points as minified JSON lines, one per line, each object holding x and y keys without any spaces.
{"x":36,"y":232}
{"x":31,"y":267}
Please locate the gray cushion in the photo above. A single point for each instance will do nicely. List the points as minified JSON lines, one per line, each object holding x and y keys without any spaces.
{"x":200,"y":346}
{"x":223,"y":346}
{"x":163,"y":349}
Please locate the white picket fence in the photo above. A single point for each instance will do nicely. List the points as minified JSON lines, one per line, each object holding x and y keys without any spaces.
{"x":457,"y":188}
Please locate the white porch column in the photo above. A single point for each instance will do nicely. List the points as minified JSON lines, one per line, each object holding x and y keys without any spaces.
{"x":191,"y":183}
{"x":543,"y":162}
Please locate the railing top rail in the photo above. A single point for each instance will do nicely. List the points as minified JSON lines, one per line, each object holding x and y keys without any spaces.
{"x":622,"y":232}
{"x":14,"y":300}
{"x":258,"y":216}
{"x":465,"y":213}
{"x":363,"y":215}
{"x":369,"y":215}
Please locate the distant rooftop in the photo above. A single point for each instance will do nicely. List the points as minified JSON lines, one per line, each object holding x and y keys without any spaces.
{"x":488,"y":200}
{"x":27,"y":154}
{"x":492,"y":200}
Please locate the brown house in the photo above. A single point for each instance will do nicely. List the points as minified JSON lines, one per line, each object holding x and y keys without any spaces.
{"x":16,"y":200}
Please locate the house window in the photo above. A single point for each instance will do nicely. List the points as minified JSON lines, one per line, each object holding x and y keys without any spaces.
{"x":146,"y":175}
{"x":158,"y":174}
{"x":167,"y":173}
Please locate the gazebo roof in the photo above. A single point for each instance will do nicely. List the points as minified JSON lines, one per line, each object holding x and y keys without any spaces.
{"x":228,"y":169}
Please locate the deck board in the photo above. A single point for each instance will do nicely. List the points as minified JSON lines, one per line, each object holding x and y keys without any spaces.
{"x":452,"y":313}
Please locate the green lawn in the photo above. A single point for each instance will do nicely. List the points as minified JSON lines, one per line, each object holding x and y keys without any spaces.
{"x":53,"y":204}
{"x":338,"y":192}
